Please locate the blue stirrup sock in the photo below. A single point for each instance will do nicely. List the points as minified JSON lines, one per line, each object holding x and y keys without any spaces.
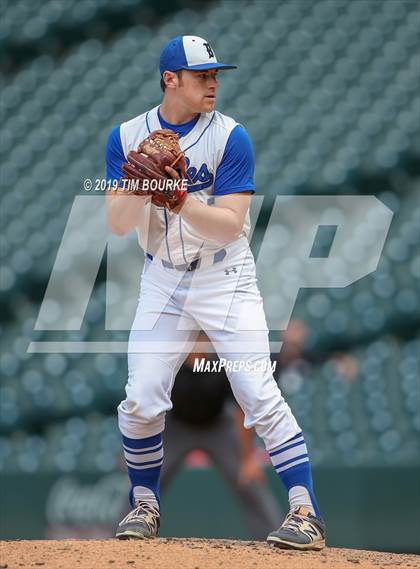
{"x":144,"y":458}
{"x":291,"y":463}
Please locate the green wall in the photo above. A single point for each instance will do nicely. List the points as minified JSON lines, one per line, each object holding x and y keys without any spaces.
{"x":370,"y":508}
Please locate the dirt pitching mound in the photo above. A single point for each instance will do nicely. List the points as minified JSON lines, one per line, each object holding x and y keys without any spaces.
{"x":186,"y":554}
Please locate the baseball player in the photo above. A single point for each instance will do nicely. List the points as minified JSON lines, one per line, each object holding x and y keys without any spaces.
{"x":199,"y":273}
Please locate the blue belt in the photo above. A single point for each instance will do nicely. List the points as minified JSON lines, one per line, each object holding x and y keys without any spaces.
{"x":217,"y":257}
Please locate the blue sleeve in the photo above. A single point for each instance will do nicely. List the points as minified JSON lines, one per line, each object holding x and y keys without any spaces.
{"x":114,"y":155}
{"x":236,"y":170}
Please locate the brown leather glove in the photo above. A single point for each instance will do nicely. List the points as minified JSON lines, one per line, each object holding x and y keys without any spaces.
{"x":145,"y":170}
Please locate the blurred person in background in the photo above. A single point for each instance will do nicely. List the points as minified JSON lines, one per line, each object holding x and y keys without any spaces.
{"x":204,"y":416}
{"x":296,"y":358}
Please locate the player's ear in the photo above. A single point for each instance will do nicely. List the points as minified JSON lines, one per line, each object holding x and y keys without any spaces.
{"x":170,"y":79}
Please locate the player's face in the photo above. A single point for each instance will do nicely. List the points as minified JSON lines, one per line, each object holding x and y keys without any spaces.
{"x":198,"y":90}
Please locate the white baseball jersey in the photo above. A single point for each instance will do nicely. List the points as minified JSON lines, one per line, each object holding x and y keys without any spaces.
{"x":164,"y":234}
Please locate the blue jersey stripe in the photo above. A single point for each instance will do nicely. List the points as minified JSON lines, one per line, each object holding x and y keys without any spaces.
{"x":166,"y":234}
{"x":204,"y":130}
{"x":182,"y":240}
{"x":147,"y":122}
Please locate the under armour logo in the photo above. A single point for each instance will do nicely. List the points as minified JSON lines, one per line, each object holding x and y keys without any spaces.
{"x":209,"y":50}
{"x":232,"y":270}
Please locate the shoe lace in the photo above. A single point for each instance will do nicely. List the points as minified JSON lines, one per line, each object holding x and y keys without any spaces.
{"x":293,"y":521}
{"x":145,"y":513}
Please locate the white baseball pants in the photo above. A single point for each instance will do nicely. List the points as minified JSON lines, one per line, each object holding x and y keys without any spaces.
{"x":223,"y":300}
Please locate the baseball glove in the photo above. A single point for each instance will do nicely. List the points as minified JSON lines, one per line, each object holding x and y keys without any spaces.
{"x":145,"y":169}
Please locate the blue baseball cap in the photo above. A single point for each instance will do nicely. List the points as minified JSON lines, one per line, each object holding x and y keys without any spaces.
{"x":189,"y":52}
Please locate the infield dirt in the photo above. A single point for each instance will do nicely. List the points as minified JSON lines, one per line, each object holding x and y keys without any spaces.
{"x":165,"y":553}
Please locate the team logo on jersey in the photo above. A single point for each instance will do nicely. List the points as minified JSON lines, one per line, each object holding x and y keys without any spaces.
{"x":198,"y":179}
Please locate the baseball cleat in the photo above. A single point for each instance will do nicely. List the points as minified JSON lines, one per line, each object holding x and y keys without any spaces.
{"x":141,"y":523}
{"x":300,"y":530}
